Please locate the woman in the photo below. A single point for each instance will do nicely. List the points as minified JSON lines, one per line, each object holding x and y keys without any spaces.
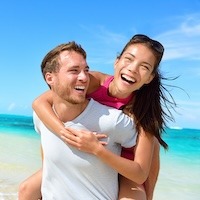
{"x":136,"y":88}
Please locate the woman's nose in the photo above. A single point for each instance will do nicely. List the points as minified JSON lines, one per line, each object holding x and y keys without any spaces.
{"x":133,"y":68}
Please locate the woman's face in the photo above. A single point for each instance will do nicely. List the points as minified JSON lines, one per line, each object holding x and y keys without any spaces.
{"x":133,"y":69}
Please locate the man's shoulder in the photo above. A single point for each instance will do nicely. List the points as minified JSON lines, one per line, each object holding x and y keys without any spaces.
{"x":96,"y":103}
{"x":101,"y":109}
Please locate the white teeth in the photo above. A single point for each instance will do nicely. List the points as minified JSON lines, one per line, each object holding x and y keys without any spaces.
{"x":80,"y":87}
{"x":128,"y":78}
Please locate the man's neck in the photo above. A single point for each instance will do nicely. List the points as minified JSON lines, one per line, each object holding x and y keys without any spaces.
{"x":67,"y":111}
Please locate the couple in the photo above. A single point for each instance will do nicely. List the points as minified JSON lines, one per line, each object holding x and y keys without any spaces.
{"x":136,"y":88}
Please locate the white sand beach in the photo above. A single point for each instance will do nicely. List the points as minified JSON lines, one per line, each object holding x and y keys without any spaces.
{"x":20,"y":157}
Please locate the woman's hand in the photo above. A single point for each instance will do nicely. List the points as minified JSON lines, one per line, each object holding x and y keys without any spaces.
{"x":83,"y":140}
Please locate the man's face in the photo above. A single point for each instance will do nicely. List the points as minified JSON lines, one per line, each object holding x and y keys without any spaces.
{"x":71,"y":82}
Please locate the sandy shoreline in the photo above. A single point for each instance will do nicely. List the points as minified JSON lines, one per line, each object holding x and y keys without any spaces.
{"x":20,"y":157}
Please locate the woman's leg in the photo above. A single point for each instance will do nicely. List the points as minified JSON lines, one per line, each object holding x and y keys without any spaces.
{"x":150,"y":183}
{"x":132,"y":191}
{"x":30,"y":189}
{"x":128,"y":190}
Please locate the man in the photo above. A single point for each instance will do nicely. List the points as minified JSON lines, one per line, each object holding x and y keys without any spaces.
{"x":67,"y":172}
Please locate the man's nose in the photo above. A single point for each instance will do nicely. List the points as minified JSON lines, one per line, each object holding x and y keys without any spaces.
{"x":83,"y":76}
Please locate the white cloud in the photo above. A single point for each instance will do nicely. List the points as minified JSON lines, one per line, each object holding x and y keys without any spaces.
{"x":190,"y":103}
{"x":11,"y":107}
{"x":183,"y":41}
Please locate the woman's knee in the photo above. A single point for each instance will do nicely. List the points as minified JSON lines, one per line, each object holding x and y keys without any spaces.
{"x":23,"y":190}
{"x":130,"y":190}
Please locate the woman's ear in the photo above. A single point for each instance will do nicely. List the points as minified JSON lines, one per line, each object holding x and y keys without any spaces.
{"x":150,"y":78}
{"x":115,"y":63}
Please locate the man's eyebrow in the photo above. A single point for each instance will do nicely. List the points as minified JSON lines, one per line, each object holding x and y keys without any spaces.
{"x":77,"y":66}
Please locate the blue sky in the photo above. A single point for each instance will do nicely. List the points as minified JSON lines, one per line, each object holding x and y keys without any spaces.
{"x":29,"y":29}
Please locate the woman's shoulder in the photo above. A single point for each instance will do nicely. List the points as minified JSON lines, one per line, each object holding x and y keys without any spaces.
{"x":99,"y":76}
{"x":96,"y":80}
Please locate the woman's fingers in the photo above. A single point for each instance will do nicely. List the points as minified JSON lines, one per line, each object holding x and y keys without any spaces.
{"x":82,"y":139}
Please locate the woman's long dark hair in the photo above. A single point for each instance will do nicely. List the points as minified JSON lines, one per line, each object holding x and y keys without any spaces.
{"x":149,"y":101}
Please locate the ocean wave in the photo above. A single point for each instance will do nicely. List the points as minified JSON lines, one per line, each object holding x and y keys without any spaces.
{"x":176,"y":127}
{"x":16,"y":121}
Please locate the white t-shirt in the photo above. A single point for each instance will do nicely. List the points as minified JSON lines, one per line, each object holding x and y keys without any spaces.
{"x":72,"y":174}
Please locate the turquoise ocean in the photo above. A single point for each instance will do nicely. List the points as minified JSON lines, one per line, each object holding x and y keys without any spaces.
{"x":179,"y":176}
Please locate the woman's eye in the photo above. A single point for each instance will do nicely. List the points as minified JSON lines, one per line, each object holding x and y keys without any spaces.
{"x":145,"y":67}
{"x":128,"y":59}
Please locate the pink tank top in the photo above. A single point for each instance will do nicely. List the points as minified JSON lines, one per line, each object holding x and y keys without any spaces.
{"x":101,"y":95}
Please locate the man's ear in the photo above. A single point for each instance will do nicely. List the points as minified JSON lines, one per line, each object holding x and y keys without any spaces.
{"x":150,"y":78}
{"x":49,"y":78}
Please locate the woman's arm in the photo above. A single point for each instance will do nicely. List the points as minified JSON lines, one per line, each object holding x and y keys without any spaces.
{"x":137,"y":170}
{"x":43,"y":108}
{"x":42,"y":105}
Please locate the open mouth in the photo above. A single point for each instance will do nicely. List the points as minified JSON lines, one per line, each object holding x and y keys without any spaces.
{"x":128,"y":79}
{"x":80,"y":88}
